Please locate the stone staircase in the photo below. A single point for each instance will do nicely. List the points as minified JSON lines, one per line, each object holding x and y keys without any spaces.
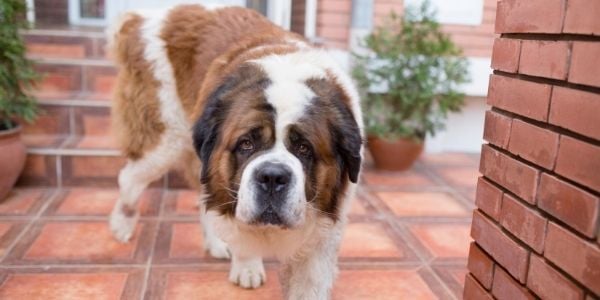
{"x":71,"y":143}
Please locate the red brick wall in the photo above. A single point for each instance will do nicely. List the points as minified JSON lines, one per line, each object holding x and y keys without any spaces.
{"x":536,"y":229}
{"x":333,"y":22}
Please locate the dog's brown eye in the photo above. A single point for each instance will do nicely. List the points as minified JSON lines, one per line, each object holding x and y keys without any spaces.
{"x":247,"y":145}
{"x":303,"y":149}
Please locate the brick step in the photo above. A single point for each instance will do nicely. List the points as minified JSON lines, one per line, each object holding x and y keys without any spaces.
{"x":57,"y":143}
{"x":72,"y":60}
{"x":62,"y":76}
{"x":71,"y":143}
{"x":66,"y":42}
{"x":75,"y":160}
{"x":71,"y":117}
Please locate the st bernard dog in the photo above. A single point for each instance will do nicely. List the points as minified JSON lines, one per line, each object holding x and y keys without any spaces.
{"x":265,"y":125}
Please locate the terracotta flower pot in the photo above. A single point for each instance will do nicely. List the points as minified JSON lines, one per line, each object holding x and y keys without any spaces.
{"x":396,"y":155}
{"x":12,"y":159}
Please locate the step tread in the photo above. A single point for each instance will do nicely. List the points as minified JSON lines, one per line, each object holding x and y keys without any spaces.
{"x":66,"y":30}
{"x":85,"y":61}
{"x":73,"y":98}
{"x":71,"y":144}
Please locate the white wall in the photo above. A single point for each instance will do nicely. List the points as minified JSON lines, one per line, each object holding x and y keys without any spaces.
{"x":463,"y":12}
{"x":464,"y":130}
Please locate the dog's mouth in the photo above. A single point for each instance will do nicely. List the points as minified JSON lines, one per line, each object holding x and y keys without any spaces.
{"x":270,"y":217}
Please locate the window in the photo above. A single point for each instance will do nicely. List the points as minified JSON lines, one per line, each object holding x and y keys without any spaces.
{"x":258,"y":5}
{"x":91,"y":9}
{"x":88,"y":12}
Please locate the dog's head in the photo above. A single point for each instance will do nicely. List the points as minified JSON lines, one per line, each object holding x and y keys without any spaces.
{"x":278,"y":137}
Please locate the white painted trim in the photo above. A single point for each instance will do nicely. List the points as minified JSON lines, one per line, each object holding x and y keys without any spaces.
{"x":76,"y":19}
{"x":61,"y":32}
{"x":75,"y":102}
{"x":280,"y":12}
{"x":30,"y":11}
{"x":310,"y":19}
{"x":74,"y":152}
{"x":71,"y":61}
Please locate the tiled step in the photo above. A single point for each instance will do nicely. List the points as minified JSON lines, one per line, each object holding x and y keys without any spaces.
{"x":70,"y":117}
{"x":71,"y":143}
{"x":72,"y":61}
{"x":73,"y":160}
{"x":66,"y":42}
{"x":64,"y":77}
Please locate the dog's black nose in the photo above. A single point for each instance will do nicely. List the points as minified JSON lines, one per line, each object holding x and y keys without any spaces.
{"x":273,"y":178}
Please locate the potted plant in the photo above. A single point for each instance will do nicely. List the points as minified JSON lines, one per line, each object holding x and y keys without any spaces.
{"x":409,"y":75}
{"x":16,"y":77}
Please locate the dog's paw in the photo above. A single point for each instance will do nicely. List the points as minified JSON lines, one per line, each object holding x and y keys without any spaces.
{"x":122,"y":226}
{"x":249,"y":274}
{"x":216,"y":247}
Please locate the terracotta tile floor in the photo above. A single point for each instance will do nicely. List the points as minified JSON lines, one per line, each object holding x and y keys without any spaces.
{"x":408,"y":238}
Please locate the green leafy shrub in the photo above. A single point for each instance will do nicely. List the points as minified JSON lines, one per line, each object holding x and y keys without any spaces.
{"x":16,"y":71}
{"x":409,"y":76}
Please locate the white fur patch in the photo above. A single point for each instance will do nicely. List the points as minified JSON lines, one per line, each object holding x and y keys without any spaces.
{"x":306,"y":64}
{"x":288,"y":93}
{"x":155,"y":53}
{"x":294,"y":208}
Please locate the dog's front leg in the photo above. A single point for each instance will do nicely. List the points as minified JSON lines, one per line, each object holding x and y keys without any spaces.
{"x":312,"y":276}
{"x":247,"y":272}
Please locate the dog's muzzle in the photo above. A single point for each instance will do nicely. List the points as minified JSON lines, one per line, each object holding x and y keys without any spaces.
{"x":273,"y":181}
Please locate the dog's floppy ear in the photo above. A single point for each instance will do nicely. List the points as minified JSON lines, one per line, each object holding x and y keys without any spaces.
{"x":204,"y":136}
{"x":345,"y":131}
{"x":347,"y":140}
{"x":348,"y":144}
{"x":205,"y":133}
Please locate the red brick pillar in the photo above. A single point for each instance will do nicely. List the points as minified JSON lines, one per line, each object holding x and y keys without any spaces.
{"x":333,"y":22}
{"x":537,"y":222}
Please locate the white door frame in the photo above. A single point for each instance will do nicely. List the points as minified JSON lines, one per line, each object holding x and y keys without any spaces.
{"x":280,"y":12}
{"x":310,"y":19}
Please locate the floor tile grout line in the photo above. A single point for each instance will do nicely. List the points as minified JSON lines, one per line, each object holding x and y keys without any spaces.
{"x":444,"y":285}
{"x":159,"y":219}
{"x":460,"y":197}
{"x":211,"y":266}
{"x":81,"y":266}
{"x":425,"y":261}
{"x":400,"y":230}
{"x":53,"y":196}
{"x":468,"y":204}
{"x":398,"y":226}
{"x":388,"y":218}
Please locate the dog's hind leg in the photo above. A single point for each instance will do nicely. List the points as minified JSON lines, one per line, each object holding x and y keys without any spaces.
{"x":134,"y":178}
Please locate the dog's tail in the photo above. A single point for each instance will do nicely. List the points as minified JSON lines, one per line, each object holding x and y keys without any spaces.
{"x":118,"y":35}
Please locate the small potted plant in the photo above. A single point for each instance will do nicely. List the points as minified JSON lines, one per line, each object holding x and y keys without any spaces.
{"x":16,"y":77}
{"x":409,"y":75}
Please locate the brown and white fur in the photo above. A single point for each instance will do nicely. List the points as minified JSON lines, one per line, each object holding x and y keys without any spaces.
{"x":267,"y":127}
